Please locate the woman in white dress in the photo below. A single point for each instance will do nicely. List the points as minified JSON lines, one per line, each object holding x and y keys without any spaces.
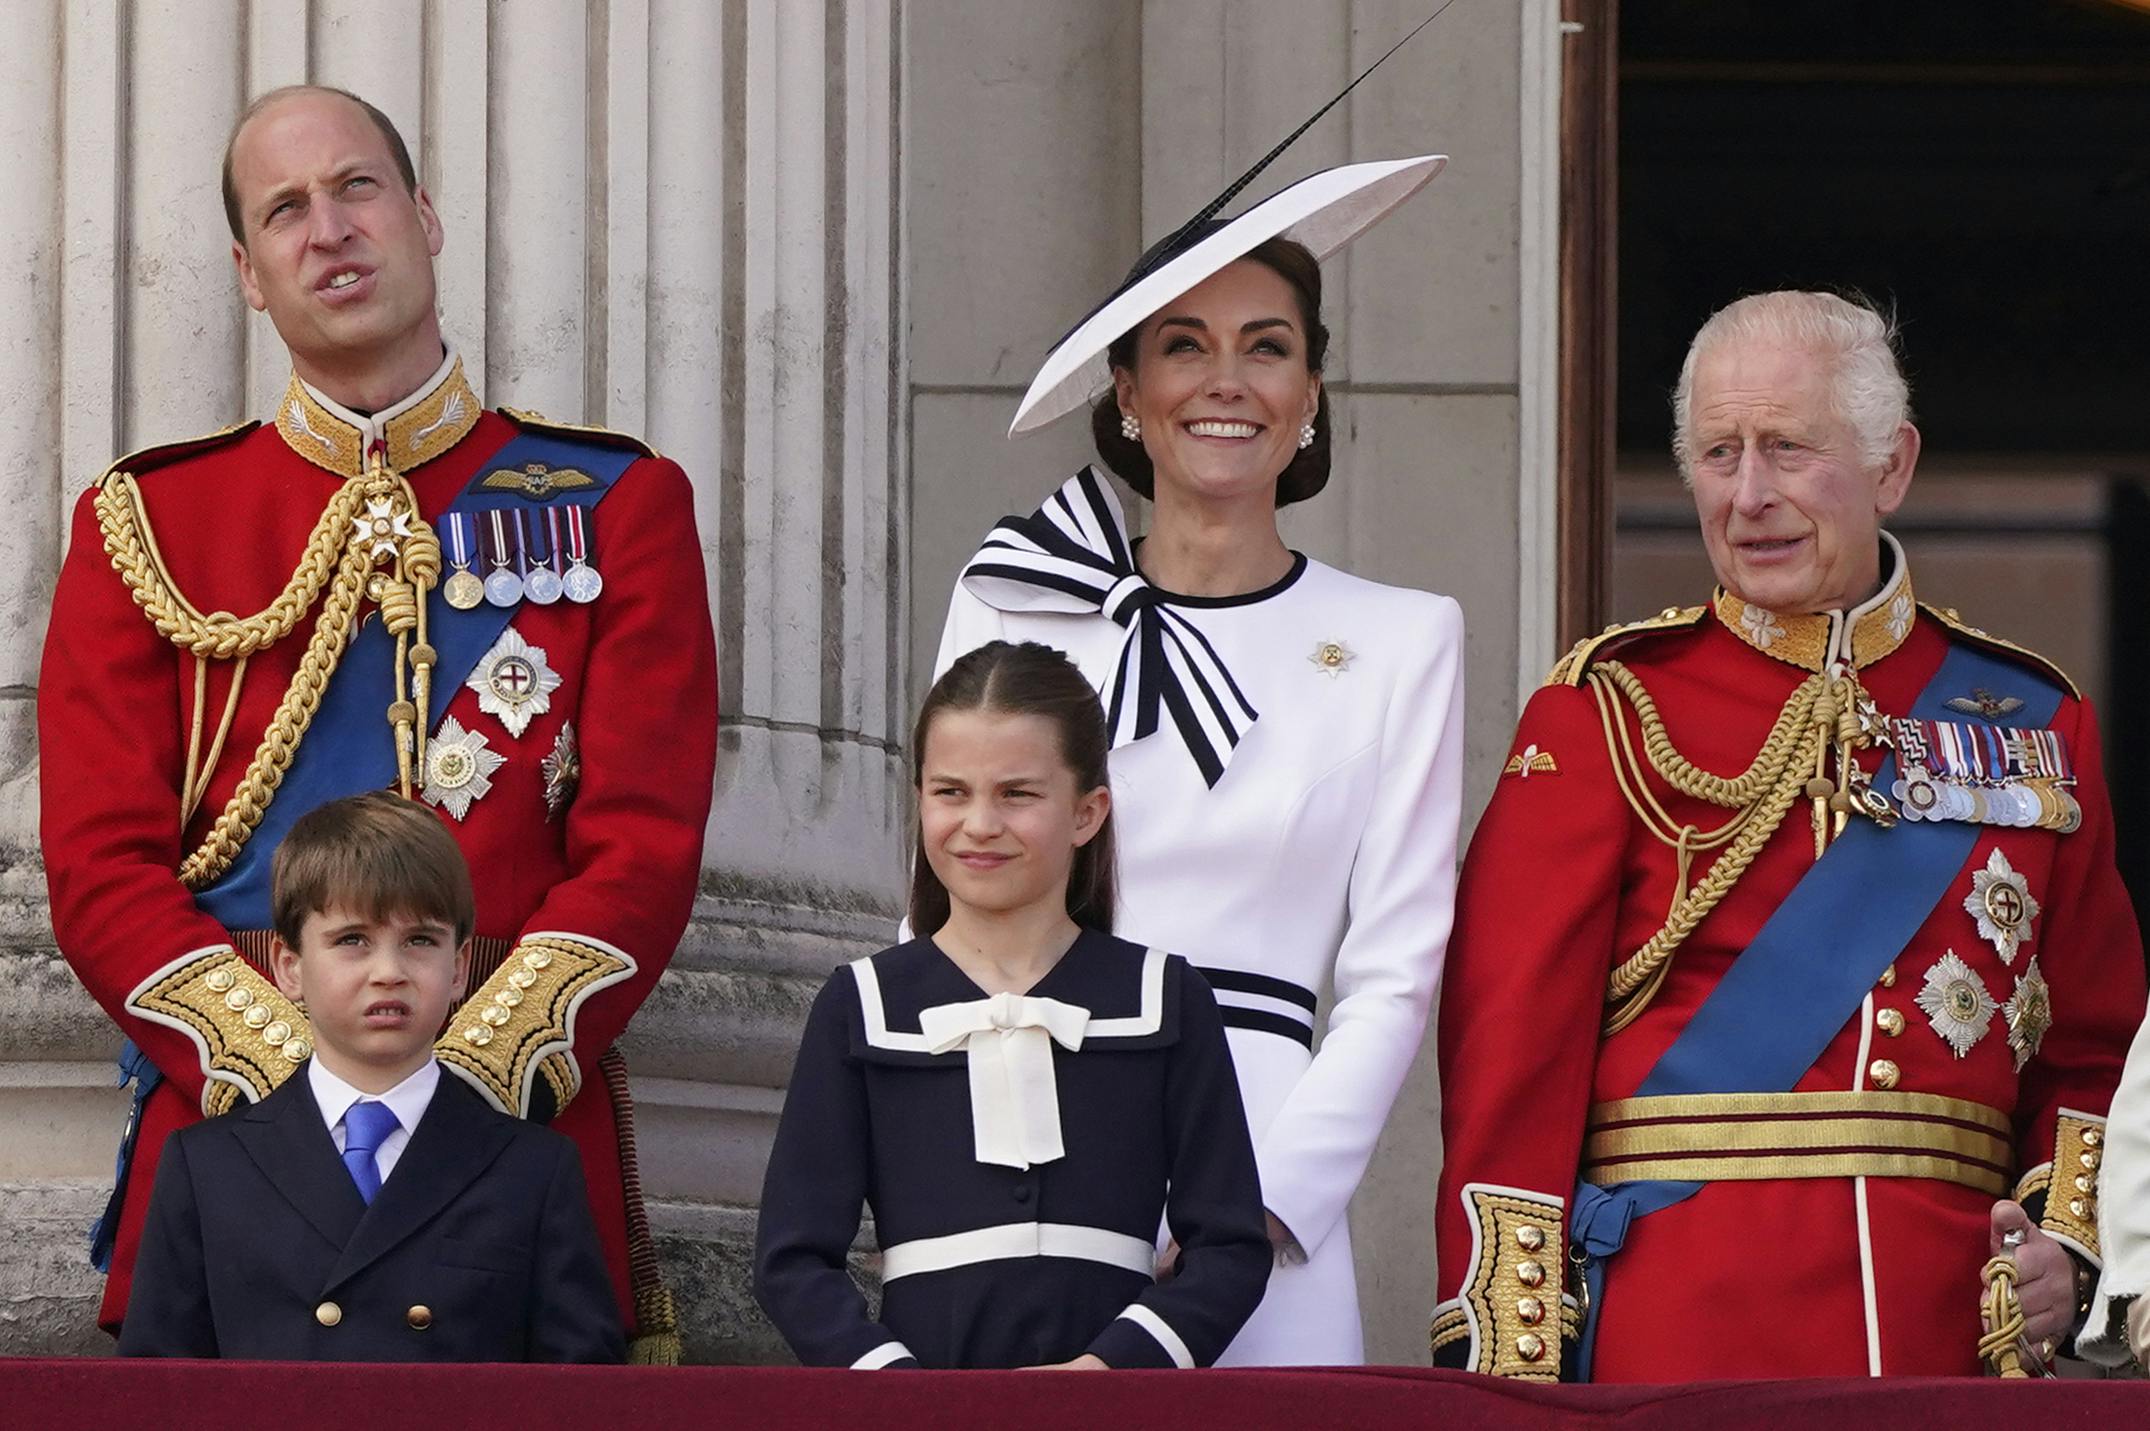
{"x":1287,"y":737}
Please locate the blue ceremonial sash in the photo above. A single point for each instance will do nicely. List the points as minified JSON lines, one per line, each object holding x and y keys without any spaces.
{"x":1791,"y":991}
{"x":350,"y":747}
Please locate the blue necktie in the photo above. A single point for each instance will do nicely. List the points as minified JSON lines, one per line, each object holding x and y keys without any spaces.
{"x":364,"y":1127}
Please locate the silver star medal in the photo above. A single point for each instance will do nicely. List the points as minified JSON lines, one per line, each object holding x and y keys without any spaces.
{"x":562,"y":771}
{"x":513,"y":682}
{"x":459,"y":768}
{"x":2000,"y":900}
{"x":1956,"y":1003}
{"x":2029,"y":1012}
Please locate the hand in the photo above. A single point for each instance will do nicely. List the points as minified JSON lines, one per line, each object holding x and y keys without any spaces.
{"x":2045,"y":1274}
{"x":1282,"y":1243}
{"x":1085,"y":1362}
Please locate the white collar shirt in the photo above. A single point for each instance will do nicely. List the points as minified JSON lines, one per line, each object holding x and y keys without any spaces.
{"x":408,"y":1100}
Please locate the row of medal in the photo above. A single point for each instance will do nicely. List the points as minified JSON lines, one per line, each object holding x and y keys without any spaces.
{"x":526,"y":556}
{"x":1984,"y":775}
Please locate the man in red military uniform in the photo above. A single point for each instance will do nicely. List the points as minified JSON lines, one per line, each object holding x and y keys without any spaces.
{"x":1792,"y":973}
{"x":471,"y":606}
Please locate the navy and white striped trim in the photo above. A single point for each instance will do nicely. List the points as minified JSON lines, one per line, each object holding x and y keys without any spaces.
{"x":885,"y":1354}
{"x":1072,"y":555}
{"x":1175,"y":1347}
{"x":1263,"y":1004}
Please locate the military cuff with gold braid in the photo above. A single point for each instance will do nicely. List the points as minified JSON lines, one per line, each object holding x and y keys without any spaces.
{"x":2063,"y":1194}
{"x":1510,"y":1319}
{"x":514,"y":1038}
{"x":250,"y":1037}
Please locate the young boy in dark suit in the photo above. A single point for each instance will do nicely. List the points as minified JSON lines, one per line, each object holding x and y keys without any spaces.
{"x":371,"y":1209}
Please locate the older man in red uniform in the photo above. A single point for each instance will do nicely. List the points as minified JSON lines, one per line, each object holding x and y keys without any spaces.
{"x":471,"y":606}
{"x":1792,"y":973}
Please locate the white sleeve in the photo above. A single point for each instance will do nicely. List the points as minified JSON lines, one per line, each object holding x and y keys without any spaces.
{"x":1401,"y":904}
{"x":970,"y":624}
{"x":2123,"y":1212}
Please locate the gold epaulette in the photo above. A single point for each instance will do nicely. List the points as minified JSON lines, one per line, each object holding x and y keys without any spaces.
{"x":148,"y":459}
{"x":1986,"y":640}
{"x":1571,"y":668}
{"x":518,"y":1028}
{"x":523,"y":417}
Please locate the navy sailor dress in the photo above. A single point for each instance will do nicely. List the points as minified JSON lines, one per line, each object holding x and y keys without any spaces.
{"x":1017,"y":1153}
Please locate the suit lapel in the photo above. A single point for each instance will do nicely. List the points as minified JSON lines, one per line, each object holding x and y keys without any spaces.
{"x":287,"y":1140}
{"x":456,"y":1140}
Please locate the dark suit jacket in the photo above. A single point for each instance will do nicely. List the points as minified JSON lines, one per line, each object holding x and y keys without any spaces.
{"x":478,"y":1247}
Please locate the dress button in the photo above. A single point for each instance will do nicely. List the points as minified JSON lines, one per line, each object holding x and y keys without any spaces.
{"x":328,"y":1314}
{"x":1530,"y":1238}
{"x":1022,"y":1192}
{"x":1888,"y":977}
{"x":1530,"y":1274}
{"x":1883,"y":1072}
{"x":1890,"y":1021}
{"x":420,"y":1317}
{"x":1530,"y":1346}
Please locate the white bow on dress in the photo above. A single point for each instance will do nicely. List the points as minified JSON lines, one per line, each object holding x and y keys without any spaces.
{"x":1014,"y":1099}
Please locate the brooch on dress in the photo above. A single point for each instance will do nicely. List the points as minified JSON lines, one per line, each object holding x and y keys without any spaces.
{"x":1332,"y":658}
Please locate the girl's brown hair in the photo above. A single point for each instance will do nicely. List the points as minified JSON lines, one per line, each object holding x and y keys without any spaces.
{"x":1308,"y":471}
{"x":1001,"y":678}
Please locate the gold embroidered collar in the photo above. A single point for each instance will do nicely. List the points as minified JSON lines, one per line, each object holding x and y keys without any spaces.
{"x":414,"y":431}
{"x":1871,"y":630}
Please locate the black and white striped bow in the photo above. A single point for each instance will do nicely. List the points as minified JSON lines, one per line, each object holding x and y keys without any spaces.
{"x":1072,"y":555}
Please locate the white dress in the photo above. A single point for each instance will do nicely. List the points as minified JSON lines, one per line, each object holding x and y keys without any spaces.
{"x":1325,"y":854}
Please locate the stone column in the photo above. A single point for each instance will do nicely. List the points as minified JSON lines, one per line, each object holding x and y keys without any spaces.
{"x":669,"y":216}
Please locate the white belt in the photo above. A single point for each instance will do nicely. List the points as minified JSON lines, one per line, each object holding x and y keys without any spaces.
{"x":1017,"y":1239}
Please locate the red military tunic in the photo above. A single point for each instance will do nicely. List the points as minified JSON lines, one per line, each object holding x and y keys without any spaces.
{"x":1867,"y":1264}
{"x":610,"y":870}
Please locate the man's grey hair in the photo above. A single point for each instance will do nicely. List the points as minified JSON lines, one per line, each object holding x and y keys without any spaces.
{"x":1857,"y":341}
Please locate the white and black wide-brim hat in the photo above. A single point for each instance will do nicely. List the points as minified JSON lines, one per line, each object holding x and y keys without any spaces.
{"x":1323,"y":211}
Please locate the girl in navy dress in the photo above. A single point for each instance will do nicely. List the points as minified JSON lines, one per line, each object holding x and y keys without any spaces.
{"x":1016,"y":1094}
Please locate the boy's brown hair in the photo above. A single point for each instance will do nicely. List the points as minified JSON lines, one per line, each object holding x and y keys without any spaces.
{"x":374,"y":855}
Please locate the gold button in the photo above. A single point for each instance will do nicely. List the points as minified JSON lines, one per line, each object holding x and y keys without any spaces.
{"x":2078,"y":1207}
{"x":478,"y":1035}
{"x":508,"y":997}
{"x":1883,"y":1072}
{"x":2089,"y":1160}
{"x":328,"y":1314}
{"x":522,"y":978}
{"x":536,"y":959}
{"x":1530,"y":1274}
{"x":277,"y":1033}
{"x":494,"y":1015}
{"x":1531,"y":1310}
{"x":238,"y":999}
{"x":2091,"y":1138}
{"x":420,"y":1317}
{"x":2083,"y":1184}
{"x":1529,"y":1238}
{"x":1888,"y":977}
{"x":1530,"y":1346}
{"x":219,"y":980}
{"x":295,"y":1050}
{"x":258,"y":1016}
{"x":1890,"y":1021}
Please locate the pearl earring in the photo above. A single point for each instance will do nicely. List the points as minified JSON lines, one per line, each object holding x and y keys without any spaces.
{"x":1130,"y":427}
{"x":1306,"y":436}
